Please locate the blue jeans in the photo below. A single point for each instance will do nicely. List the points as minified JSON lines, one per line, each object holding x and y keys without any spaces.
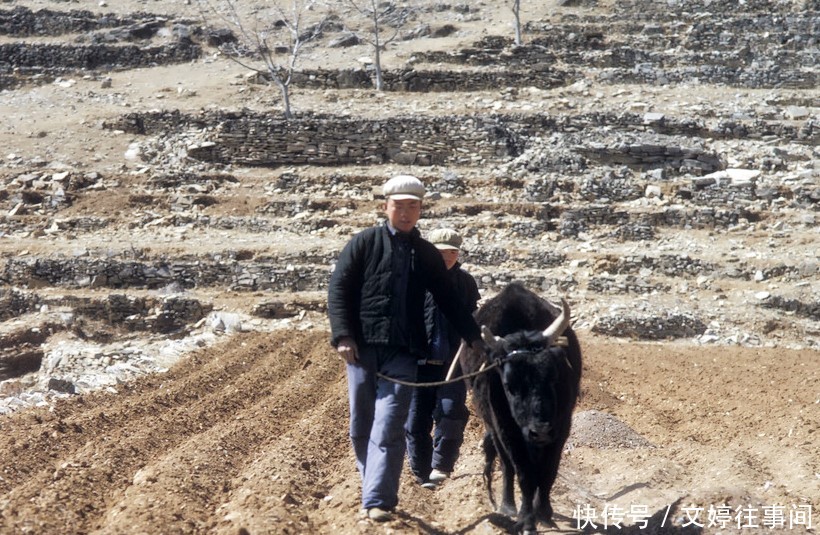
{"x":446,"y":406}
{"x":378,"y":411}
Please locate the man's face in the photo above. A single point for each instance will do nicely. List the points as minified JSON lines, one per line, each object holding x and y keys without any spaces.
{"x":403,"y":214}
{"x":450,"y":257}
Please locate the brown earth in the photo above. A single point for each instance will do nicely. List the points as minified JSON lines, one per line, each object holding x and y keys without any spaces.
{"x":250,"y":437}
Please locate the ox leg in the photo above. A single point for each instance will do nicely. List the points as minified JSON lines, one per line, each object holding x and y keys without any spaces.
{"x":508,"y":481}
{"x":543,"y":507}
{"x":526,"y":515}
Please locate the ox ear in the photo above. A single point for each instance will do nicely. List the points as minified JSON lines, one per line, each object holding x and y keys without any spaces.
{"x":559,"y":325}
{"x":489,"y":338}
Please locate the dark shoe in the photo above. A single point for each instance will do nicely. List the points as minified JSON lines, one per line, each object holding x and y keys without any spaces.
{"x":429,"y":485}
{"x":379,"y":515}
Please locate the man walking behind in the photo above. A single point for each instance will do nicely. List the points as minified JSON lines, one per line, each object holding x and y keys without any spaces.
{"x":432,"y":459}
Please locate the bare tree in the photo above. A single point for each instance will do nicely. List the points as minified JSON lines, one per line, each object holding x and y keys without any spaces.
{"x":383,"y":21}
{"x":516,"y":9}
{"x":270,"y":41}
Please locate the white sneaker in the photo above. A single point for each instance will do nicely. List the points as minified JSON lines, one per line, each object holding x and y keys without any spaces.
{"x":378,"y":514}
{"x":437,"y":476}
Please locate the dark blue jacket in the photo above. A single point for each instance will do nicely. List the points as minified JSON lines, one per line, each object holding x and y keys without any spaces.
{"x":360,"y":293}
{"x":466,"y":286}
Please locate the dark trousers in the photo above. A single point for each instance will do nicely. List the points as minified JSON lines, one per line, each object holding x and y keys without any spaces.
{"x":444,"y":406}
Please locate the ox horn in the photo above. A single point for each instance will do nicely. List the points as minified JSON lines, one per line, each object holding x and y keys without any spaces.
{"x":559,"y":325}
{"x":489,"y":338}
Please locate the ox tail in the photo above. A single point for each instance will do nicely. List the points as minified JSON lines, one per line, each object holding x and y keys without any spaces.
{"x":490,"y":453}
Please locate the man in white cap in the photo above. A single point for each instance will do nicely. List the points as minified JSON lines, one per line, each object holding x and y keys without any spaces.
{"x":376,"y":309}
{"x":432,"y":459}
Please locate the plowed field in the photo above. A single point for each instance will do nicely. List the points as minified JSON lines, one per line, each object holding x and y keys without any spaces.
{"x":251,"y":437}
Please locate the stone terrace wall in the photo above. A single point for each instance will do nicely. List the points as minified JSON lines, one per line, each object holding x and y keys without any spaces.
{"x":59,"y":58}
{"x":248,"y":138}
{"x":14,"y":303}
{"x":409,"y":141}
{"x":410,"y":80}
{"x":23,"y":22}
{"x":104,"y":273}
{"x":253,"y":139}
{"x":730,"y":7}
{"x":766,"y":44}
{"x":760,"y":44}
{"x":754,"y":78}
{"x":161,"y":314}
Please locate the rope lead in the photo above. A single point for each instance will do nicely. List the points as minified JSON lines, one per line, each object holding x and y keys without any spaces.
{"x":380,"y":375}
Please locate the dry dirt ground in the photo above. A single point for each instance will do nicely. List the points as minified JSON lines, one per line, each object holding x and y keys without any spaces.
{"x":250,"y":436}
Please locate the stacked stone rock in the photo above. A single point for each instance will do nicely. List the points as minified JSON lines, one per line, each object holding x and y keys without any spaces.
{"x":63,"y":59}
{"x":259,"y":139}
{"x":422,"y":80}
{"x":751,"y":45}
{"x":14,"y":302}
{"x":111,"y":273}
{"x":23,"y":22}
{"x":577,"y":203}
{"x":628,"y":284}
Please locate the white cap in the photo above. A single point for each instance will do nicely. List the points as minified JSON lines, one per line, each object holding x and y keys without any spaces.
{"x":445,"y":238}
{"x":403,"y":187}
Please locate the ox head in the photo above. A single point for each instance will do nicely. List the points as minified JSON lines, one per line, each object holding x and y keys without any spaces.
{"x":529,"y":369}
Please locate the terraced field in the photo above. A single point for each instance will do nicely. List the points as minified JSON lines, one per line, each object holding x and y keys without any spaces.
{"x":656,"y":163}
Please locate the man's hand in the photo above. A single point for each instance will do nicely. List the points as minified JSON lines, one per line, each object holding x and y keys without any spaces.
{"x":348,"y":350}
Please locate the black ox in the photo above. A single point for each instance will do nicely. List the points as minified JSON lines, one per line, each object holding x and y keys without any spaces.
{"x":526,"y":400}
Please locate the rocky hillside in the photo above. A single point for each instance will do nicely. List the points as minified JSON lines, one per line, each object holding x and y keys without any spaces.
{"x":657,"y":163}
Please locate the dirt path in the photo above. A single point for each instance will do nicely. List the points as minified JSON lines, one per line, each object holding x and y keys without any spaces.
{"x":251,"y":437}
